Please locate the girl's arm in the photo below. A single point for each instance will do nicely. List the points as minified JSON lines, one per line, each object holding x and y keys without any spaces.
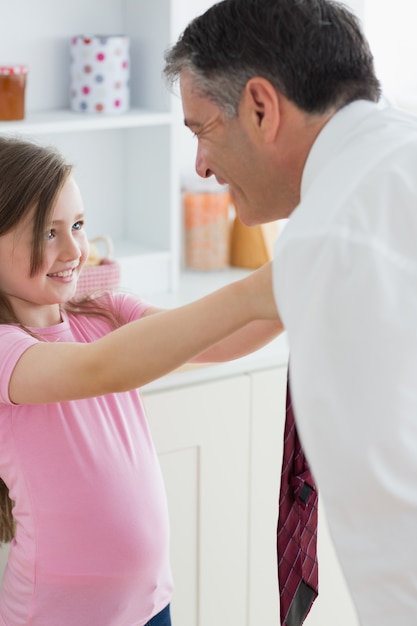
{"x":141,"y":351}
{"x":240,"y":343}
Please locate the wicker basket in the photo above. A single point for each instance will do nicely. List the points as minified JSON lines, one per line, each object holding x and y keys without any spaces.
{"x":104,"y":274}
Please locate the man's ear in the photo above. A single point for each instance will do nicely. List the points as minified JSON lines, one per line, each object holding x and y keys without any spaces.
{"x":261,"y":107}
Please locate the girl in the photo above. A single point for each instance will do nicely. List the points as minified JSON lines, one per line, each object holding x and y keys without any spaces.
{"x":82,"y":492}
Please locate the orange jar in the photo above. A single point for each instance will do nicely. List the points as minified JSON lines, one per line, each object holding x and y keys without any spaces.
{"x":12,"y":92}
{"x":207,"y":229}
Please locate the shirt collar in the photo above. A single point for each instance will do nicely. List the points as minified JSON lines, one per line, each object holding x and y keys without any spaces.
{"x":333,"y":135}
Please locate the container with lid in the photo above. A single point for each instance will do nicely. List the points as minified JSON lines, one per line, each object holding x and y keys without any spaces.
{"x":100,"y":74}
{"x":12,"y":92}
{"x":207,"y":226}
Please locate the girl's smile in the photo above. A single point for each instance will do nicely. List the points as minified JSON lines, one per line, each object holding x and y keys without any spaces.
{"x":63,"y":274}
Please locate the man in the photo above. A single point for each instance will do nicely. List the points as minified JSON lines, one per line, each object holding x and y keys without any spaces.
{"x":284,"y":102}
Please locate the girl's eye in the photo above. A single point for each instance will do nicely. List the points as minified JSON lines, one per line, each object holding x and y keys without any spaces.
{"x":50,"y":234}
{"x":78,"y":225}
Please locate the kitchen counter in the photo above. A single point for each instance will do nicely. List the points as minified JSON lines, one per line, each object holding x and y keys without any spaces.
{"x":194,"y":285}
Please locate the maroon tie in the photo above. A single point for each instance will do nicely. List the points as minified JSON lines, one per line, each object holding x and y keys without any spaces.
{"x":297,"y":529}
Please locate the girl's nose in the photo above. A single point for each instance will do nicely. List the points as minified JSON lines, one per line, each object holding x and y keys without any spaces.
{"x":70,"y":249}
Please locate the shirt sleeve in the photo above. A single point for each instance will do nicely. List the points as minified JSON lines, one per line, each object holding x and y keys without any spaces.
{"x":13,"y":343}
{"x":129,"y":306}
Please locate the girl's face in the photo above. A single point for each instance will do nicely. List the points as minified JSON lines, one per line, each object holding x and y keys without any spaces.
{"x":35,"y":299}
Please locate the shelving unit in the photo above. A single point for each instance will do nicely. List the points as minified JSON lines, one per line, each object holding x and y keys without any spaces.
{"x":66,"y":121}
{"x":125,"y":164}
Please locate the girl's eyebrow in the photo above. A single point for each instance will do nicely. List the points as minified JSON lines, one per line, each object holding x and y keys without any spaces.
{"x":76,"y":218}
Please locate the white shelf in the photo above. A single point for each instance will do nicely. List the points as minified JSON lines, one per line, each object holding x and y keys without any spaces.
{"x":66,"y":121}
{"x":125,"y":164}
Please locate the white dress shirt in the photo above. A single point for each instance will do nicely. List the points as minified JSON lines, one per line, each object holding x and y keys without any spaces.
{"x":345,"y":281}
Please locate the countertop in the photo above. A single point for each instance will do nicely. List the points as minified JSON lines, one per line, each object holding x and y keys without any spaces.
{"x":194,"y":285}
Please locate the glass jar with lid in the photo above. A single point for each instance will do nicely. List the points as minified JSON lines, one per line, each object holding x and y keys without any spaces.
{"x":206,"y":206}
{"x":12,"y":92}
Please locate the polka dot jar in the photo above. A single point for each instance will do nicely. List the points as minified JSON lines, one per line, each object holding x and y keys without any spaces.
{"x":99,"y":75}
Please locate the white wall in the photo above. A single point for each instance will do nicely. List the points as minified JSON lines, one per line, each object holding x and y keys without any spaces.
{"x":185,"y":11}
{"x":390,"y":27}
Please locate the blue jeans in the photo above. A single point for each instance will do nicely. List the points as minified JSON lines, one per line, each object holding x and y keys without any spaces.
{"x":162,"y":619}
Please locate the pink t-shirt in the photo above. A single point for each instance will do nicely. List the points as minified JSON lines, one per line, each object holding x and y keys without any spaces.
{"x":92,"y":540}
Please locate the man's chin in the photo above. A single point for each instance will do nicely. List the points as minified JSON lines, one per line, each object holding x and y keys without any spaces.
{"x":248,"y":217}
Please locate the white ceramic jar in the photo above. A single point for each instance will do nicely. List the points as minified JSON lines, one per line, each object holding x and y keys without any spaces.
{"x":99,"y":74}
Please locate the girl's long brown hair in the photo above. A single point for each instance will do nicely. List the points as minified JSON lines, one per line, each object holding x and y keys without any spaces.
{"x":31,"y":177}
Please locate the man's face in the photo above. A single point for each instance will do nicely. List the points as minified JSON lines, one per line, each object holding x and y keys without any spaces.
{"x":230,"y":150}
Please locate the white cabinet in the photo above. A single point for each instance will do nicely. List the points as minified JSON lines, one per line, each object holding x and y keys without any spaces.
{"x":124,"y":163}
{"x":266,"y":443}
{"x":202,"y":435}
{"x":220,"y":446}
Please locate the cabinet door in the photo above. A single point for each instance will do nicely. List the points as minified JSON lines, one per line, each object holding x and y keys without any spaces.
{"x":201,"y":433}
{"x":267,"y":428}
